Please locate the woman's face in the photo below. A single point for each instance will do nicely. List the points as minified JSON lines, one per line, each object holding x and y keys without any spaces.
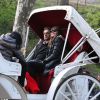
{"x":53,"y":34}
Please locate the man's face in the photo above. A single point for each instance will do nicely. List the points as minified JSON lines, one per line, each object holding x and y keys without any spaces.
{"x":46,"y":35}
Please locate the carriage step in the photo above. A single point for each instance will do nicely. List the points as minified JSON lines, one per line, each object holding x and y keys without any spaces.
{"x":36,"y":96}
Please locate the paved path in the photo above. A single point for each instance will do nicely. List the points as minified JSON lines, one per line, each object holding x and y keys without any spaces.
{"x":87,"y":1}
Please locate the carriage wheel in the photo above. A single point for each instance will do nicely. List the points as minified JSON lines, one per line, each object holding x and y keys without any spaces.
{"x":4,"y":93}
{"x":78,"y":87}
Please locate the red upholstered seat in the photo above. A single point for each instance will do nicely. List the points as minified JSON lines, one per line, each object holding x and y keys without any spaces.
{"x":40,"y":83}
{"x":32,"y":85}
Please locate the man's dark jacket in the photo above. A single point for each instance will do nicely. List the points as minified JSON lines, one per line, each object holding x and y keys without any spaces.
{"x":35,"y":65}
{"x":40,"y":51}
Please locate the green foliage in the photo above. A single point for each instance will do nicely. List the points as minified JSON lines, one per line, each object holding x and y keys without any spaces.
{"x":91,"y":14}
{"x":94,"y":69}
{"x":7,"y":14}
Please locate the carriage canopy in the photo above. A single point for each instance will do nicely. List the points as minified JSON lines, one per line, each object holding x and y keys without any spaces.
{"x":61,"y":16}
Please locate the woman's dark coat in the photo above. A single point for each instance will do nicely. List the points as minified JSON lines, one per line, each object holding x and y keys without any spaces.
{"x":54,"y":53}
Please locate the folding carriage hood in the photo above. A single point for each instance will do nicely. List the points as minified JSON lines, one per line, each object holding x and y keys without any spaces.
{"x":61,"y":16}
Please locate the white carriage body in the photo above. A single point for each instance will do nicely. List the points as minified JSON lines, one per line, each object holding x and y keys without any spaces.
{"x":9,"y":68}
{"x":64,"y":69}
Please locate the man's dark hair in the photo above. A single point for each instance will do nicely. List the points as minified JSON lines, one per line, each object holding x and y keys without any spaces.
{"x":47,"y":28}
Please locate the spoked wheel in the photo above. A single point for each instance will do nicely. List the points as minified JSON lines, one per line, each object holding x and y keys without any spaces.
{"x":78,"y":87}
{"x":10,"y":89}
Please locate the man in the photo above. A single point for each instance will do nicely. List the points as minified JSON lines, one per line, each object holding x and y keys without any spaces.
{"x":41,"y":47}
{"x":35,"y":65}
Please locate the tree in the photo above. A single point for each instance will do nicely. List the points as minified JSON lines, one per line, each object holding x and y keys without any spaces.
{"x":64,"y":2}
{"x":23,"y":10}
{"x":7,"y":14}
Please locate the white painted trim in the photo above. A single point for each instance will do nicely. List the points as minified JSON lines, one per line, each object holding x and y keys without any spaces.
{"x":69,"y":26}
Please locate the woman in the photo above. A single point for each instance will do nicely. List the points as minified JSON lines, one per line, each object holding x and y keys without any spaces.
{"x":53,"y":57}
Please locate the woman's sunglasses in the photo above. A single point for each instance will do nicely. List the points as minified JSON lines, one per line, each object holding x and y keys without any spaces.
{"x":53,"y":30}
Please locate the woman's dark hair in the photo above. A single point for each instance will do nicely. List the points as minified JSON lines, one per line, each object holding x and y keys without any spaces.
{"x":56,"y":29}
{"x":17,"y":36}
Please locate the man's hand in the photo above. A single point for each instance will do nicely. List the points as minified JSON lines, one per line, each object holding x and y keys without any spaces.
{"x":23,"y":50}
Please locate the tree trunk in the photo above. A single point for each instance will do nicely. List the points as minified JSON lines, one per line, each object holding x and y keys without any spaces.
{"x":85,"y":2}
{"x":23,"y":10}
{"x":64,"y":2}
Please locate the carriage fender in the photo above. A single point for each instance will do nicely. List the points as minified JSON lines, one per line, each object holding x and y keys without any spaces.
{"x":65,"y":73}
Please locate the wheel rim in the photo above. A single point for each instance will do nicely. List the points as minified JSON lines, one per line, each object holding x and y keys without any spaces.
{"x":79,"y":87}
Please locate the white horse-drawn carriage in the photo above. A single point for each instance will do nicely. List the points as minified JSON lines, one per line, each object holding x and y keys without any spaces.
{"x":67,"y":83}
